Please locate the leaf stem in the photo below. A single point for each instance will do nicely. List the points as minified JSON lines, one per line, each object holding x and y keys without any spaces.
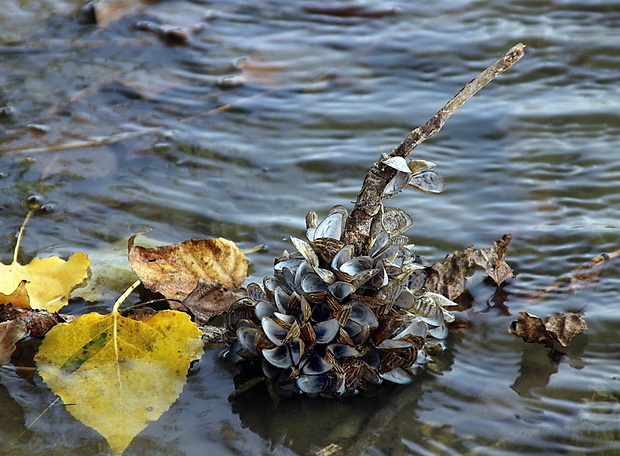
{"x":20,"y":235}
{"x":124,"y":296}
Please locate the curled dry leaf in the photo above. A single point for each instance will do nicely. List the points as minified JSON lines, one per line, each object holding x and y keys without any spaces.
{"x":560,"y":327}
{"x":208,"y":300}
{"x":174,"y":270}
{"x":10,"y":332}
{"x":37,"y":322}
{"x":448,"y":278}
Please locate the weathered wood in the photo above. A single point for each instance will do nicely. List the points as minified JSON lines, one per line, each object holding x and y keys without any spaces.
{"x":368,"y":203}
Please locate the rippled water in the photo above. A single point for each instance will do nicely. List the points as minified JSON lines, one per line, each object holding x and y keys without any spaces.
{"x":317,"y":98}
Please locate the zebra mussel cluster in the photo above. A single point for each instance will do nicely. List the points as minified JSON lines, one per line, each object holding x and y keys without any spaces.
{"x":329,"y":322}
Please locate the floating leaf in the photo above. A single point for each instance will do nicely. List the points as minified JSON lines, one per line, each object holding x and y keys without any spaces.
{"x":44,"y":283}
{"x":174,"y":270}
{"x":10,"y":332}
{"x":448,"y":278}
{"x":560,"y":327}
{"x":119,"y":374}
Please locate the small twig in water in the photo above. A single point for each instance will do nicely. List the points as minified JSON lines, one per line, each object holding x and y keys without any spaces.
{"x":368,"y":203}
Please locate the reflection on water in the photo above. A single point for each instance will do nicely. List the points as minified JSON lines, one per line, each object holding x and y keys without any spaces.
{"x":116,"y":130}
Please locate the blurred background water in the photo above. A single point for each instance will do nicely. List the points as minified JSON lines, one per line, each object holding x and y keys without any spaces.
{"x":316,"y":97}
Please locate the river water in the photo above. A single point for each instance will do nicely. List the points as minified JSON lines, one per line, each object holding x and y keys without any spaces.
{"x":113,"y":130}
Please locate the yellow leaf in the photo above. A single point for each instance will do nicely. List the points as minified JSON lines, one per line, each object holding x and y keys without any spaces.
{"x":116,"y":374}
{"x":174,"y":270}
{"x":49,"y":281}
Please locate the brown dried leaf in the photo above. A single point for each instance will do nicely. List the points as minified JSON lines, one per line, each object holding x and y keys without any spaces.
{"x":10,"y":332}
{"x":37,"y":322}
{"x":531,"y":329}
{"x":563,"y":327}
{"x":174,"y":270}
{"x":560,"y":327}
{"x":209,"y":299}
{"x":448,"y":278}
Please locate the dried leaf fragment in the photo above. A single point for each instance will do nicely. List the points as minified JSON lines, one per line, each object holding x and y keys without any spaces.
{"x":448,"y":278}
{"x":10,"y":332}
{"x":174,"y":270}
{"x":208,"y":300}
{"x":560,"y":327}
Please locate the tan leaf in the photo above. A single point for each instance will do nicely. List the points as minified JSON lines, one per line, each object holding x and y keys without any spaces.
{"x":10,"y":332}
{"x":560,"y":327}
{"x":448,"y":278}
{"x":563,"y":327}
{"x":174,"y":270}
{"x":531,"y":329}
{"x":208,"y":300}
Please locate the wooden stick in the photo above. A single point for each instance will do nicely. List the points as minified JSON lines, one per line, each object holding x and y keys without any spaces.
{"x":368,"y":203}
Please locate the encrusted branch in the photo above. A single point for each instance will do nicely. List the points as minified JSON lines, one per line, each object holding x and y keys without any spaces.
{"x":368,"y":203}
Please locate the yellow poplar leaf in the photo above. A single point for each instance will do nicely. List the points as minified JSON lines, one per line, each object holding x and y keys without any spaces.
{"x":117,"y":374}
{"x":19,"y":297}
{"x":174,"y":270}
{"x":49,"y":281}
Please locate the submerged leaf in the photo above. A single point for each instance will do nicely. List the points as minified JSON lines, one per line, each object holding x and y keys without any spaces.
{"x":174,"y":270}
{"x":560,"y":327}
{"x":119,"y":374}
{"x":44,"y":283}
{"x":10,"y":332}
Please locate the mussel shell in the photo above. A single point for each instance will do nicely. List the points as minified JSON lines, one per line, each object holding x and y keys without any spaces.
{"x":264,"y":309}
{"x":246,"y":337}
{"x":311,"y":282}
{"x":343,"y":351}
{"x":381,"y":241}
{"x":398,"y":375}
{"x":427,"y":181}
{"x":326,"y":330}
{"x":439,"y":332}
{"x":306,"y":251}
{"x":333,"y":225}
{"x":362,"y":315}
{"x":281,"y":299}
{"x":256,"y":292}
{"x":405,"y":299}
{"x":396,"y":185}
{"x":314,"y":364}
{"x":396,"y":220}
{"x":274,"y":331}
{"x":415,"y":327}
{"x":329,"y":382}
{"x":356,"y":265}
{"x":340,"y":290}
{"x":327,"y":248}
{"x":345,"y":254}
{"x":359,"y":334}
{"x":285,"y":356}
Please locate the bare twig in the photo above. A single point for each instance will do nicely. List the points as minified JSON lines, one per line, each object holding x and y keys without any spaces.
{"x":368,"y":203}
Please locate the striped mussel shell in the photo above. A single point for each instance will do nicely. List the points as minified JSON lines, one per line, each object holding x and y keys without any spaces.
{"x":331,"y":323}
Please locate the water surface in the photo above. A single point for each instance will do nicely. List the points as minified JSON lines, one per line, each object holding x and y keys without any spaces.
{"x":316,"y":98}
